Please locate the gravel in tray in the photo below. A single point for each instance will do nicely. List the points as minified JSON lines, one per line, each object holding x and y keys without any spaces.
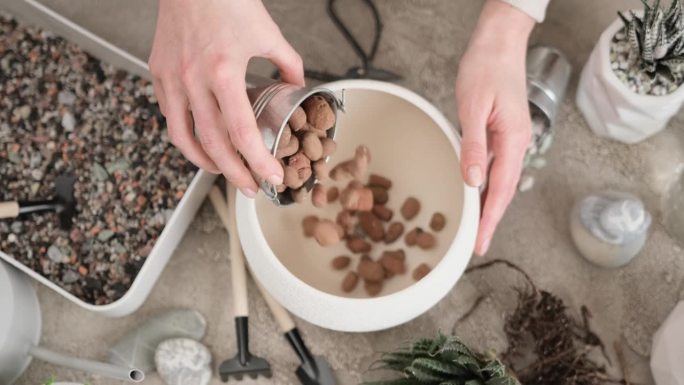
{"x":64,"y":112}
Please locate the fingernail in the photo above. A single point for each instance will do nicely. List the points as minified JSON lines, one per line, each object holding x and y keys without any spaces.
{"x":474,"y":176}
{"x":275,"y":179}
{"x":248,"y":192}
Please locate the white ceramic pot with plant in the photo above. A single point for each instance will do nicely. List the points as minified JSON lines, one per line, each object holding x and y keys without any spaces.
{"x":631,"y":85}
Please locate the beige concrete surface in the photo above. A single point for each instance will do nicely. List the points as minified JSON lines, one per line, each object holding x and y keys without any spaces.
{"x":424,"y":40}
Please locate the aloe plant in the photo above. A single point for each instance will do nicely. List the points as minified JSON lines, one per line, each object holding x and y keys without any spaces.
{"x":657,"y":37}
{"x":444,"y":360}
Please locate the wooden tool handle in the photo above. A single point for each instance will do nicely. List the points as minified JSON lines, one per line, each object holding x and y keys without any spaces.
{"x":227,"y":215}
{"x":9,"y":209}
{"x":237,"y":261}
{"x":281,"y":315}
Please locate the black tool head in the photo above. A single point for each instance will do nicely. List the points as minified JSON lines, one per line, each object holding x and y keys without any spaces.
{"x":253,"y":367}
{"x":317,"y":372}
{"x":66,"y":202}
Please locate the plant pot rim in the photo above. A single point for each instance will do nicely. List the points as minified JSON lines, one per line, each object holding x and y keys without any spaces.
{"x":604,"y":41}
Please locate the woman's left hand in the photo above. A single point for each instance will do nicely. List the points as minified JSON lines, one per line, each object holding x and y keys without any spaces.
{"x":491,"y":95}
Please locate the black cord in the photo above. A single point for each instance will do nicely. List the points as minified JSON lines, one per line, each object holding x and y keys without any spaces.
{"x":366,"y":70}
{"x":366,"y":58}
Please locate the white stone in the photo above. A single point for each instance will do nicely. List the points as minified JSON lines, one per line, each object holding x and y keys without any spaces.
{"x":25,"y":112}
{"x":55,"y":254}
{"x":546,"y":144}
{"x":668,"y":349}
{"x":526,"y":183}
{"x":538,"y":162}
{"x":182,"y":361}
{"x":136,"y":348}
{"x":37,"y":174}
{"x":68,"y":121}
{"x":66,"y":98}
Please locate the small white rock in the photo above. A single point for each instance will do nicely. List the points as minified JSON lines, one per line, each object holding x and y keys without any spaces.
{"x":130,"y":197}
{"x":25,"y":112}
{"x":182,"y":361}
{"x":36,"y":174}
{"x":546,"y":144}
{"x":68,"y":121}
{"x":55,"y":254}
{"x":526,"y":183}
{"x":66,"y":98}
{"x":11,"y":238}
{"x":538,"y":162}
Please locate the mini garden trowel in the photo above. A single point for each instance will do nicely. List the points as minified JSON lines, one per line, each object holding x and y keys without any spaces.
{"x":313,"y":370}
{"x":244,"y":363}
{"x":63,"y":203}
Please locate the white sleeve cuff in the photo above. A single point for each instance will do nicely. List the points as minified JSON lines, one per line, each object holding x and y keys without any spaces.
{"x":535,"y":8}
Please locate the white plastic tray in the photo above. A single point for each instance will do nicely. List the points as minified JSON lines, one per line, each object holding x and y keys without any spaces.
{"x":32,"y":12}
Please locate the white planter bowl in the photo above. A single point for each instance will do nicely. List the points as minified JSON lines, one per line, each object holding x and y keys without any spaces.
{"x":413,"y":144}
{"x":611,"y":109}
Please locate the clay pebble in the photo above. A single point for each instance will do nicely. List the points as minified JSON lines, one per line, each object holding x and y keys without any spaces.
{"x":410,"y":208}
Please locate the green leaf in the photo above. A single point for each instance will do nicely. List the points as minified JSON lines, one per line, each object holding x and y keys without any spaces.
{"x":647,"y":7}
{"x":503,"y":381}
{"x":427,"y":346}
{"x":672,"y":10}
{"x":494,"y":369}
{"x":634,"y":37}
{"x":424,"y":375}
{"x":454,"y":348}
{"x":665,"y":72}
{"x":625,"y":21}
{"x":435,"y":365}
{"x":473,"y":382}
{"x":638,"y":22}
{"x":51,"y":380}
{"x":469,"y":362}
{"x":396,"y":361}
{"x":396,"y":381}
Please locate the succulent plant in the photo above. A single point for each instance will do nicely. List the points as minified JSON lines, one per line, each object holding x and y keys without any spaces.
{"x":657,"y":37}
{"x":444,"y":360}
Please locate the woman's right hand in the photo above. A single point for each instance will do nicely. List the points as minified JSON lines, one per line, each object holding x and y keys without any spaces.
{"x":198,"y":62}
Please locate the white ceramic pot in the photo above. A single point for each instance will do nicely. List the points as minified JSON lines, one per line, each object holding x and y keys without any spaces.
{"x":668,"y":349}
{"x":413,"y":144}
{"x":611,"y":109}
